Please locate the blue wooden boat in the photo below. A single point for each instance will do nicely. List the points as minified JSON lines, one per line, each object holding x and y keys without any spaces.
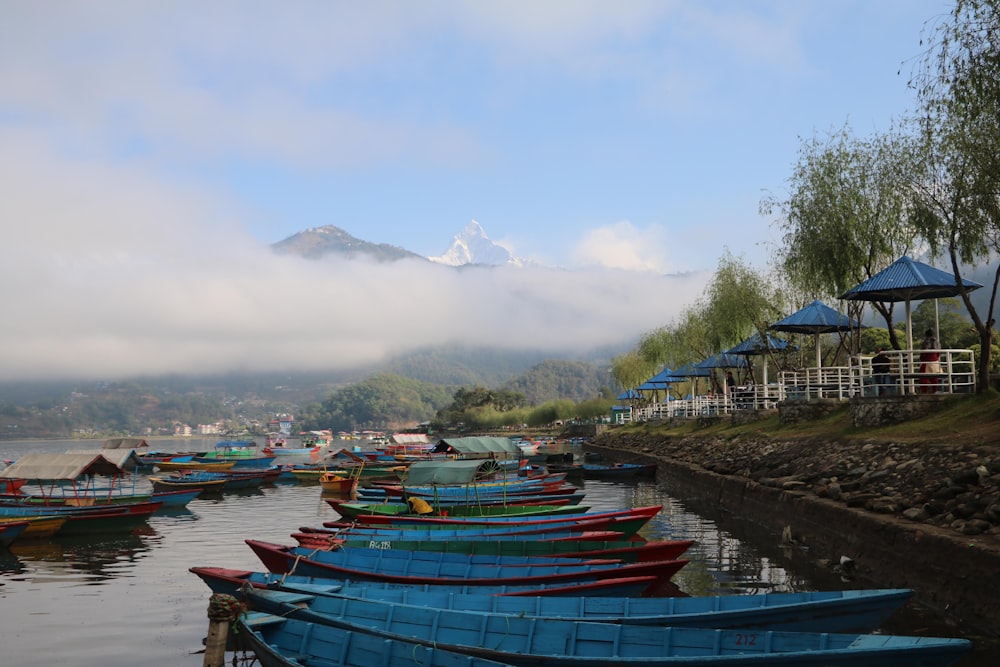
{"x":10,"y":531}
{"x":625,"y":522}
{"x":175,"y":498}
{"x":231,"y":480}
{"x":231,"y":582}
{"x":826,"y":611}
{"x":579,"y":529}
{"x":279,"y":642}
{"x":499,"y":517}
{"x":416,"y":567}
{"x":178,"y":482}
{"x":818,"y":611}
{"x":515,"y":640}
{"x":618,"y":471}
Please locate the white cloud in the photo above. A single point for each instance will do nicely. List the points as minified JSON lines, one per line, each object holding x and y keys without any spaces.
{"x":113,"y":274}
{"x":624,"y":246}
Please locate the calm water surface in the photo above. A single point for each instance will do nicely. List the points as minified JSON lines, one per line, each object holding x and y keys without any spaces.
{"x":128,"y":599}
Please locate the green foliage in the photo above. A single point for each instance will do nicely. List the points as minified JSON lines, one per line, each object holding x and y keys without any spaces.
{"x":480,"y":407}
{"x":631,"y":369}
{"x":379,"y":402}
{"x":551,"y":412}
{"x":951,"y":321}
{"x":872,"y":338}
{"x":594,"y":408}
{"x":739,"y":301}
{"x":957,"y":210}
{"x":844,"y":219}
{"x":573,"y":380}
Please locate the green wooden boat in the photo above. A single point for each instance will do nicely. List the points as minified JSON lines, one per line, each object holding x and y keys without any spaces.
{"x":350,"y":510}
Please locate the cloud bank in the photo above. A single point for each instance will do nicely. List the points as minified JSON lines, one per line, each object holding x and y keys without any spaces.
{"x":110,"y":274}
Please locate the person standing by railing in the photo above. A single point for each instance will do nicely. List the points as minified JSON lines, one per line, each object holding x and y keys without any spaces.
{"x":881,"y":367}
{"x":929,"y":363}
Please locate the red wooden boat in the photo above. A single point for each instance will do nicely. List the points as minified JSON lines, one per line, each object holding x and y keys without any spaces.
{"x":647,"y":512}
{"x":282,"y":559}
{"x":630,"y":552}
{"x":619,"y":525}
{"x":231,"y":582}
{"x":352,"y":531}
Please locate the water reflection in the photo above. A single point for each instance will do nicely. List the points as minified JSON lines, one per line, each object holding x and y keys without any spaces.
{"x":129,"y":599}
{"x":83,"y":559}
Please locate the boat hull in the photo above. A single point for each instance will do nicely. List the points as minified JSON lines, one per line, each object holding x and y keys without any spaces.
{"x":515,"y":640}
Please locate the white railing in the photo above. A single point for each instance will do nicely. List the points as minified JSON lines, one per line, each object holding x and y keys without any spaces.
{"x":911,"y":372}
{"x":824,"y":382}
{"x":954,"y":373}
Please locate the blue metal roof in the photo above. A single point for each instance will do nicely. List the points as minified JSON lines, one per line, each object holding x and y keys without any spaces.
{"x":816,"y":318}
{"x":691,"y":371}
{"x":755,"y":344}
{"x":723,"y":360}
{"x":908,"y":280}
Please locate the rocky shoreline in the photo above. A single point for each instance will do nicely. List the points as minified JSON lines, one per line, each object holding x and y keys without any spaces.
{"x":918,"y":515}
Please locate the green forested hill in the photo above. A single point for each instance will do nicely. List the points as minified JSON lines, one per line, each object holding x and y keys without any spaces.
{"x":407,"y":390}
{"x":574,"y":380}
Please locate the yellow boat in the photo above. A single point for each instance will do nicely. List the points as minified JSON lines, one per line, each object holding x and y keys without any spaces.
{"x":38,"y":526}
{"x":340,"y":485}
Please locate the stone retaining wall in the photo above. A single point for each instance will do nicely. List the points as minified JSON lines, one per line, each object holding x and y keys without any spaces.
{"x":948,"y":572}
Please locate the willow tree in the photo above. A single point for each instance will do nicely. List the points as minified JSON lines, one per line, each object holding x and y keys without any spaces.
{"x":958,"y":187}
{"x":845,"y":217}
{"x":739,"y":301}
{"x":630,"y":370}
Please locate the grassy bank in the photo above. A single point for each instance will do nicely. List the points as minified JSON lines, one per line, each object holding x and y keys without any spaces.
{"x":963,"y":419}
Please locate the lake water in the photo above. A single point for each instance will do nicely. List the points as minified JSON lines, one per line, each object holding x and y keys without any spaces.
{"x":128,"y":598}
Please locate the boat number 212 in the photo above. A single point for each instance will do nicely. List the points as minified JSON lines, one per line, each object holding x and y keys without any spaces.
{"x":746,"y":639}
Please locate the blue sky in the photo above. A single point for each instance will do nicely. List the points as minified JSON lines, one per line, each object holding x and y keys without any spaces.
{"x":153,"y":150}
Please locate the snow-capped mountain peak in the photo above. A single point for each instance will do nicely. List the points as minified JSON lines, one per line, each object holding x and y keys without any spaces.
{"x":472,"y":246}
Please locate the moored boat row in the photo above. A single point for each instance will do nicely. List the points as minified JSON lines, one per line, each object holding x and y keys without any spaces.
{"x":501,"y":583}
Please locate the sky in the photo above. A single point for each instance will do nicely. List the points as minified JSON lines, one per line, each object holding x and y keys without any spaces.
{"x":152,"y":152}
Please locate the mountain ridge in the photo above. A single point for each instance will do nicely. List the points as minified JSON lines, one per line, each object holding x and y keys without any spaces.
{"x":471,"y":246}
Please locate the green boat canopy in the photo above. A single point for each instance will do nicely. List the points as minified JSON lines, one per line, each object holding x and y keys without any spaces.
{"x":468,"y":447}
{"x":465,"y":471}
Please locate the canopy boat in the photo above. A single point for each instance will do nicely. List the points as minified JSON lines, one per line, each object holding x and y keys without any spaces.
{"x":281,"y":559}
{"x":278,"y":642}
{"x":12,"y":486}
{"x":231,"y":582}
{"x":626,"y":551}
{"x":72,"y":475}
{"x":531,"y":641}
